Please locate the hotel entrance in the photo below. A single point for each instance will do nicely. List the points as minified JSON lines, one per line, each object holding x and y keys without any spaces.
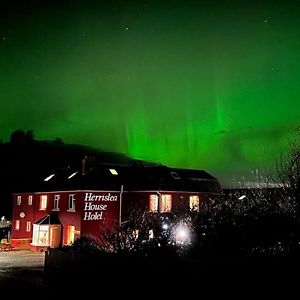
{"x":55,"y":236}
{"x":46,"y":233}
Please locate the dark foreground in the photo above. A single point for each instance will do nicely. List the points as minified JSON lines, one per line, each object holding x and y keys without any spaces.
{"x":21,"y":271}
{"x":179,"y":276}
{"x":23,"y":274}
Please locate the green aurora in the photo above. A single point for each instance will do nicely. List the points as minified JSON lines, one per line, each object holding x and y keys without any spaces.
{"x":191,"y":84}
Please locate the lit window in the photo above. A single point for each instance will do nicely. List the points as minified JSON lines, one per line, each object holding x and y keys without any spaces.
{"x":30,"y":200}
{"x":70,"y":235}
{"x":153,"y":203}
{"x":19,"y":200}
{"x":135,"y":233}
{"x":56,"y":202}
{"x":113,"y":171}
{"x":17,"y":226}
{"x":43,"y":202}
{"x":166,"y":203}
{"x":28,"y":226}
{"x":194,"y":203}
{"x":40,"y":235}
{"x":72,"y":175}
{"x":71,"y":205}
{"x":49,"y":177}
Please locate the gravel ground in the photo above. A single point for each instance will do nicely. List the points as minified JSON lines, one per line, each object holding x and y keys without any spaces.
{"x":22,"y":270}
{"x":21,"y":259}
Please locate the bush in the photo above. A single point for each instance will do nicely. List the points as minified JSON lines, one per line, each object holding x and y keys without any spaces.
{"x":87,"y":244}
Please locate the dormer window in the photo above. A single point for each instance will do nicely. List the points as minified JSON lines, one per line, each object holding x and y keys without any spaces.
{"x":175,"y":175}
{"x":113,"y":171}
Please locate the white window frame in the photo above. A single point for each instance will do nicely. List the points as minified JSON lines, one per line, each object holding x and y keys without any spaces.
{"x":43,"y":202}
{"x":30,"y":200}
{"x":17,"y":225}
{"x":71,"y":202}
{"x":19,"y":200}
{"x":165,"y":203}
{"x":40,"y":235}
{"x":56,"y":202}
{"x":28,"y":226}
{"x":153,"y":203}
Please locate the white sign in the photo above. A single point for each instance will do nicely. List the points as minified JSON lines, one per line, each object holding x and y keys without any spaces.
{"x":93,"y":210}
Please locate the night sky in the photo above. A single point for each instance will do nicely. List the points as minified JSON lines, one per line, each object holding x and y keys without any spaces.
{"x":212,"y":85}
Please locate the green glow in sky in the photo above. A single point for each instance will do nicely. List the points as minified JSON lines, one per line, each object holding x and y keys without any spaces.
{"x":189,"y":84}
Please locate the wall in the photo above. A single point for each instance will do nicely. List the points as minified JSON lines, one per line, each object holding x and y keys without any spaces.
{"x":23,"y":213}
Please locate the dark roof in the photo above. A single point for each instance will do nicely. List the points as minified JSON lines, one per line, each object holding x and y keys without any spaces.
{"x":136,"y":177}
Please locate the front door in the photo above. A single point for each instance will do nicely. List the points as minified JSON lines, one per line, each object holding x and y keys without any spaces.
{"x":55,"y":231}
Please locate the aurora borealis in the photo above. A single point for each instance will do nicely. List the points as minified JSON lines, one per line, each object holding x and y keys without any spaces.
{"x":212,"y":85}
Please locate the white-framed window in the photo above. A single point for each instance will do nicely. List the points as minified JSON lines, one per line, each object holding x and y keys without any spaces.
{"x":28,"y":226}
{"x":40,"y":235}
{"x":166,"y":203}
{"x":19,"y":200}
{"x":56,"y":202}
{"x":43,"y":202}
{"x":194,"y":203}
{"x":30,"y":200}
{"x":153,"y":203}
{"x":17,"y":225}
{"x":71,"y":202}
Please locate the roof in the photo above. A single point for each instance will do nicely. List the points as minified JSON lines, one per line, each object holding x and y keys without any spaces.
{"x":134,"y":178}
{"x":49,"y":219}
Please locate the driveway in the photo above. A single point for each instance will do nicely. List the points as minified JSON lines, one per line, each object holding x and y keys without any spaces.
{"x":21,"y":271}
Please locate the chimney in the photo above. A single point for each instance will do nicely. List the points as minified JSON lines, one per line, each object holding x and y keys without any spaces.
{"x":88,"y":163}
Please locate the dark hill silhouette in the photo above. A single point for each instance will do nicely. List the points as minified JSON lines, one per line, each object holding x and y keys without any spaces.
{"x":25,"y":162}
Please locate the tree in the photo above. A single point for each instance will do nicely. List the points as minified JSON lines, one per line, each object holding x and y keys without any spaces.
{"x":288,"y":170}
{"x":30,"y":136}
{"x":58,"y":142}
{"x":18,"y":137}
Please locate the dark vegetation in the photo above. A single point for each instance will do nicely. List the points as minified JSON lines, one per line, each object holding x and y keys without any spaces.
{"x":220,"y":252}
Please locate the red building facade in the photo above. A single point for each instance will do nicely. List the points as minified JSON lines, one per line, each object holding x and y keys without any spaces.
{"x":58,"y":218}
